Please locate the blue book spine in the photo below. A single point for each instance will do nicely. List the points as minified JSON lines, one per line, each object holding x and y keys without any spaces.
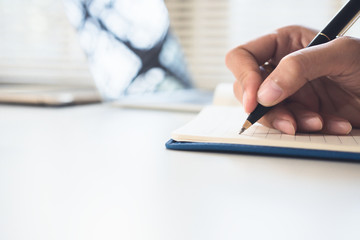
{"x":263,"y":150}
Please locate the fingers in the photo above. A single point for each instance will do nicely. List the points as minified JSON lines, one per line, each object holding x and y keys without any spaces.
{"x":244,"y":62}
{"x":336,"y":126}
{"x":307,"y":121}
{"x":300,"y":67}
{"x":281,"y":119}
{"x":293,"y":117}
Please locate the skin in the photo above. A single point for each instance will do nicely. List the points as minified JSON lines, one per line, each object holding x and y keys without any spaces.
{"x":315,"y":89}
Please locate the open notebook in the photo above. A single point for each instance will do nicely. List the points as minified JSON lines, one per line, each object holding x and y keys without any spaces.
{"x":216,"y":128}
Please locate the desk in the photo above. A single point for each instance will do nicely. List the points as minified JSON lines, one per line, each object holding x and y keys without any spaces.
{"x":99,"y":172}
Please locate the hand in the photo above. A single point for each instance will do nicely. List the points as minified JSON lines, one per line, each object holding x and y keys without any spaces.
{"x":317,"y":89}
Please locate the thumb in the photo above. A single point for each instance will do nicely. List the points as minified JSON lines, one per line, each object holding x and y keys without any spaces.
{"x":298,"y":68}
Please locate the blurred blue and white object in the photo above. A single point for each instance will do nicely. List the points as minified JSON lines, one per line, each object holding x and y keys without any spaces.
{"x":129,"y":46}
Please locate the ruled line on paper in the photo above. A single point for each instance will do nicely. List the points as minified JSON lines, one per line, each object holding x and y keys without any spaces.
{"x":269,"y":133}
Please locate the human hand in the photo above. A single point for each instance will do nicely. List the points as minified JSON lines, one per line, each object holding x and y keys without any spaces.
{"x":316,"y":89}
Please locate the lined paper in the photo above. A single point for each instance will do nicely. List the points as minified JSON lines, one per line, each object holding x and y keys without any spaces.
{"x":221,"y":124}
{"x":268,"y":133}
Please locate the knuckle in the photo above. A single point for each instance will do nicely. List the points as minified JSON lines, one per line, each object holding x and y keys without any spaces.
{"x":294,"y":64}
{"x":290,"y":28}
{"x":229,"y":57}
{"x":350,"y":43}
{"x":234,"y":55}
{"x":350,"y":51}
{"x":345,"y":40}
{"x":293,"y":73}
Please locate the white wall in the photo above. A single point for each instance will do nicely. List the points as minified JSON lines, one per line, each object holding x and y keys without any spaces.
{"x":38,"y":44}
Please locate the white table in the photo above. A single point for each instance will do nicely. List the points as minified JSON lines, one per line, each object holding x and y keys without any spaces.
{"x":99,"y":172}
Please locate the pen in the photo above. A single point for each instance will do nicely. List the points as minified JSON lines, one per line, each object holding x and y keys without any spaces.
{"x":337,"y":27}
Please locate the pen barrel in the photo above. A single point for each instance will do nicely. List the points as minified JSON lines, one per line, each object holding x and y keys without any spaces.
{"x":319,"y":39}
{"x":347,"y":15}
{"x":259,"y":112}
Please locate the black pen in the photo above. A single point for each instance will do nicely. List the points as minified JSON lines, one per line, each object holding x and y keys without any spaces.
{"x":337,"y":27}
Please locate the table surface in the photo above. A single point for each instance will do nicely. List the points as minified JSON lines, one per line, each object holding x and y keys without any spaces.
{"x":100,"y":172}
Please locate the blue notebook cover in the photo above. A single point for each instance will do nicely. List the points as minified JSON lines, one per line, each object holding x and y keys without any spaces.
{"x":263,"y":150}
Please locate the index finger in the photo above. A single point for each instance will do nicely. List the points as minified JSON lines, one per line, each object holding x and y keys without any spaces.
{"x":244,"y":61}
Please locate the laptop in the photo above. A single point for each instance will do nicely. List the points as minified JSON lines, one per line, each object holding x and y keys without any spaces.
{"x":133,"y":57}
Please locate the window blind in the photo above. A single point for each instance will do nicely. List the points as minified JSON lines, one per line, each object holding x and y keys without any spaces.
{"x":202,"y":27}
{"x":39,"y":45}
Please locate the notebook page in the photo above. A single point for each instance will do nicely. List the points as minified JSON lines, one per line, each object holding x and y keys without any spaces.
{"x":221,"y":124}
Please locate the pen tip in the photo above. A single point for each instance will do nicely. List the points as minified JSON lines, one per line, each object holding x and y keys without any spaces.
{"x":242,"y":130}
{"x":246,"y":125}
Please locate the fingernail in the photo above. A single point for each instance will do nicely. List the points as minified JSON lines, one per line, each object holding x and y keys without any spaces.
{"x":269,"y":93}
{"x":284,"y":126}
{"x":339,"y":127}
{"x":311,"y":123}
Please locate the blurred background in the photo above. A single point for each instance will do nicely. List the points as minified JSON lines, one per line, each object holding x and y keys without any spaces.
{"x":38,"y":43}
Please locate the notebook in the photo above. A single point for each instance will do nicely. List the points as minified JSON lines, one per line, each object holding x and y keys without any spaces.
{"x":216,"y":129}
